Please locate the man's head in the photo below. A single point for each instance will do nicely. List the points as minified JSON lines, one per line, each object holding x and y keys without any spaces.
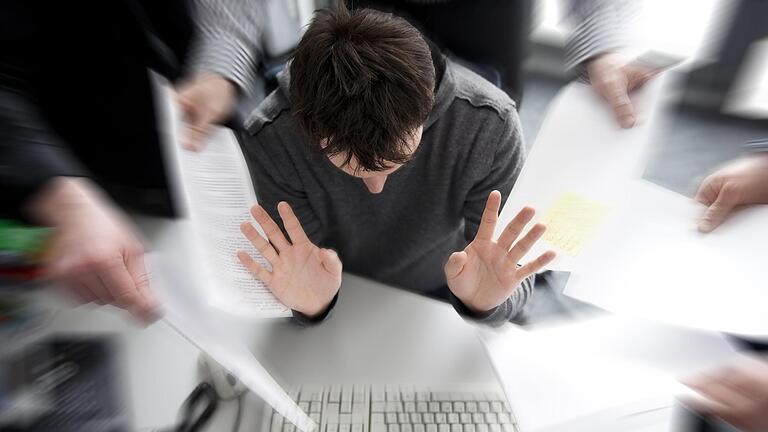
{"x":362,"y":86}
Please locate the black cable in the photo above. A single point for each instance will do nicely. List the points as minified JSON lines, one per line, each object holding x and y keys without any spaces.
{"x":239,"y":415}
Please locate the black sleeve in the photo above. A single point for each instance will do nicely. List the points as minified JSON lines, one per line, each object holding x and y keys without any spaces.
{"x":30,"y":151}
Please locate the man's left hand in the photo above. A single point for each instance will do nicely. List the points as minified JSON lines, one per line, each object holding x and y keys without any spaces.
{"x":486,"y":273}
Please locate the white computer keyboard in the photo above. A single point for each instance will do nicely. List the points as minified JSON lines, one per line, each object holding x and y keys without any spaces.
{"x":399,"y":408}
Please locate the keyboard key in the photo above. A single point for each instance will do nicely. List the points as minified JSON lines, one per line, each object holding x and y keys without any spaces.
{"x":358,"y":427}
{"x":483,"y":407}
{"x":378,"y":406}
{"x":446,"y":407}
{"x":422,"y":396}
{"x":277,"y":423}
{"x":304,"y":406}
{"x":481,"y":427}
{"x":458,"y":407}
{"x":434,"y":407}
{"x":416,"y":418}
{"x":378,"y":427}
{"x":391,"y":418}
{"x":330,"y":408}
{"x":495,"y":428}
{"x":358,"y":393}
{"x":345,"y":428}
{"x":393,"y":407}
{"x":346,"y":418}
{"x":465,"y":418}
{"x":377,"y":418}
{"x":403,"y":418}
{"x":290,"y":428}
{"x":491,"y":418}
{"x":316,"y":407}
{"x":496,"y":407}
{"x":441,"y":418}
{"x":393,"y":394}
{"x":393,"y":427}
{"x":471,"y":407}
{"x":315,"y":418}
{"x":444,"y":427}
{"x":428,"y":418}
{"x":453,"y":418}
{"x":378,"y":394}
{"x":432,"y":427}
{"x":346,"y":393}
{"x":478,"y":418}
{"x":508,"y":428}
{"x":332,"y":427}
{"x":346,"y":406}
{"x":410,"y":407}
{"x":334,"y":395}
{"x":441,"y":396}
{"x":469,"y":427}
{"x":504,"y":418}
{"x":408,"y":394}
{"x":422,"y":407}
{"x":456,"y":428}
{"x":406,"y":427}
{"x":419,"y":428}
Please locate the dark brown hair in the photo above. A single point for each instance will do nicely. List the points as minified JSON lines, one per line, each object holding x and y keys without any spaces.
{"x":364,"y":80}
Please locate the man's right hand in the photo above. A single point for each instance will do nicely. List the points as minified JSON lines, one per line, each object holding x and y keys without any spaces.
{"x":741,"y":182}
{"x":96,"y":256}
{"x":304,"y":277}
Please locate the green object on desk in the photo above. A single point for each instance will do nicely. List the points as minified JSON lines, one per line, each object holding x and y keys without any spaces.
{"x":22,"y":242}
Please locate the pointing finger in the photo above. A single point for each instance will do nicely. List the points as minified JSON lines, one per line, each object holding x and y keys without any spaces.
{"x":490,"y":216}
{"x":271,"y":229}
{"x":292,"y":224}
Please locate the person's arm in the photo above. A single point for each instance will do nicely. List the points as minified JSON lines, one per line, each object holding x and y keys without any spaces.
{"x":740,"y":182}
{"x":472,"y":298}
{"x":304,"y":277}
{"x":222,"y":64}
{"x":95,"y":255}
{"x":593,"y":52}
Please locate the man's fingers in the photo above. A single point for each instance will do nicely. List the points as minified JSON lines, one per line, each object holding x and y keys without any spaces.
{"x":718,"y":210}
{"x":515,"y":227}
{"x":455,"y":264}
{"x":525,"y":244}
{"x":255,"y":268}
{"x":490,"y":216}
{"x":260,"y":243}
{"x":292,"y":224}
{"x":536,"y":265}
{"x":119,"y":285}
{"x":330,"y":261}
{"x":195,"y":135}
{"x":618,"y":97}
{"x":270,"y":227}
{"x":147,"y":310}
{"x":708,"y":190}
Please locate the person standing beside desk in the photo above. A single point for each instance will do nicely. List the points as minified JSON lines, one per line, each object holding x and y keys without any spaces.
{"x":377,"y":146}
{"x":737,"y":394}
{"x":77,"y":119}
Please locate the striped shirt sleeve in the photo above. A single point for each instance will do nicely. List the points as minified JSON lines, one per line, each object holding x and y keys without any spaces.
{"x":597,"y":26}
{"x":760,"y":145}
{"x":228,"y":40}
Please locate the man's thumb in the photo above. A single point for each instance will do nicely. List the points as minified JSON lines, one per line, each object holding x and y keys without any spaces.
{"x":717,"y":212}
{"x":455,"y":264}
{"x":330,"y":261}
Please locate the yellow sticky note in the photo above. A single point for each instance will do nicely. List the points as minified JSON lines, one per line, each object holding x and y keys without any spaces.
{"x":572,"y":220}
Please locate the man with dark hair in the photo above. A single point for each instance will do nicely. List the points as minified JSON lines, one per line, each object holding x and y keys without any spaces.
{"x":377,"y":147}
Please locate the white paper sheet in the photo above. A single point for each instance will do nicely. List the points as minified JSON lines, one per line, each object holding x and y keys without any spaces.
{"x":581,"y":151}
{"x":651,"y":262}
{"x":605,"y":374}
{"x":185,"y":312}
{"x":215,"y":192}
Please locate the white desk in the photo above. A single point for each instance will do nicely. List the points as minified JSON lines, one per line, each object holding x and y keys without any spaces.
{"x":376,"y":334}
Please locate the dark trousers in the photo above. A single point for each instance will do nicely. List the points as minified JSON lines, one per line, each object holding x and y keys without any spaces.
{"x":491,"y":34}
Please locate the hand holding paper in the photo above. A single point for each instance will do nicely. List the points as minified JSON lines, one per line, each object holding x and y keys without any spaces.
{"x":484,"y":274}
{"x":304,"y":277}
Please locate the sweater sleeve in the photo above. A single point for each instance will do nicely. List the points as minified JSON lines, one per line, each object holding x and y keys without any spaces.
{"x":505,"y":165}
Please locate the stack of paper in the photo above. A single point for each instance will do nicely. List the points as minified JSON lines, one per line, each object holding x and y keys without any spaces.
{"x":606,"y":374}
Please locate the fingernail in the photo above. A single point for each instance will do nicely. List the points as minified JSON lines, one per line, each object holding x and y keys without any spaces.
{"x":627,"y":121}
{"x":705,"y":227}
